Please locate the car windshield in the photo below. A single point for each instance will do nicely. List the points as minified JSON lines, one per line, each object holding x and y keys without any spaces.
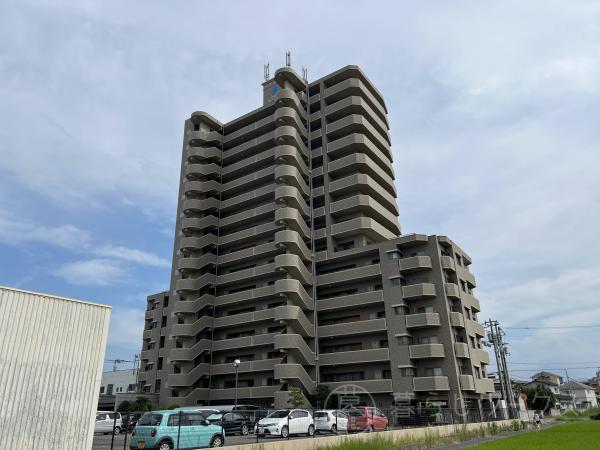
{"x":280,"y":414}
{"x":215,"y":417}
{"x":150,"y":419}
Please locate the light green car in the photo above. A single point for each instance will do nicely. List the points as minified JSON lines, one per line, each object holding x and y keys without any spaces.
{"x":160,"y":430}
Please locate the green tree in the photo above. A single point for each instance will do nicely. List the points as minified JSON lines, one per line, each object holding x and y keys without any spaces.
{"x":322,"y":393}
{"x":296,"y":397}
{"x":540,"y":398}
{"x":173,"y":406}
{"x":124,"y":406}
{"x":141,"y":404}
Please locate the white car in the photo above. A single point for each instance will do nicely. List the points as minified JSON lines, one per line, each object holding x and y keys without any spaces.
{"x":105,"y":420}
{"x":331,"y":420}
{"x":284,"y":423}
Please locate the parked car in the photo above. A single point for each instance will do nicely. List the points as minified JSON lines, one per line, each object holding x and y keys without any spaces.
{"x":232,"y":422}
{"x":284,"y":423}
{"x":105,"y":421}
{"x":161,"y":430}
{"x":366,"y":418}
{"x":331,"y":420}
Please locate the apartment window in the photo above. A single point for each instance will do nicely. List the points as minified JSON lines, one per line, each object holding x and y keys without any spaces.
{"x":433,"y":372}
{"x":337,"y":320}
{"x":477,"y":373}
{"x":161,"y":342}
{"x":407,"y":372}
{"x":396,"y":282}
{"x":383,"y":343}
{"x":131,"y":388}
{"x":463,"y":286}
{"x":166,"y":301}
{"x":428,"y":340}
{"x":386,"y":374}
{"x":109,"y":389}
{"x":163,"y":322}
{"x":459,"y":259}
{"x":231,"y":359}
{"x":424,"y":309}
{"x":381,"y":315}
{"x":345,"y":245}
{"x":102,"y":389}
{"x":405,"y":340}
{"x":342,"y":347}
{"x":159,"y":365}
{"x":472,"y":339}
{"x":347,"y":376}
{"x":394,"y":255}
{"x":468,"y":313}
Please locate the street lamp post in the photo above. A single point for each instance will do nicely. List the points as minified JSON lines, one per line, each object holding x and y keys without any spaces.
{"x":236,"y":364}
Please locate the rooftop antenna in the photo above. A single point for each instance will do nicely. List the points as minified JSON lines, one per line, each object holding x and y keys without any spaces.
{"x":288,"y":58}
{"x":305,"y":73}
{"x":266,"y":71}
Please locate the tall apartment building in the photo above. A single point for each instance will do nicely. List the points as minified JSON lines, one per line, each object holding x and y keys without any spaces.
{"x":288,"y":255}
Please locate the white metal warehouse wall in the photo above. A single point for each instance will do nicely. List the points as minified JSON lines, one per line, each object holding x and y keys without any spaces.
{"x":51,"y":357}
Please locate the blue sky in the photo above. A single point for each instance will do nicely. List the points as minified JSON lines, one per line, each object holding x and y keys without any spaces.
{"x":494,"y":123}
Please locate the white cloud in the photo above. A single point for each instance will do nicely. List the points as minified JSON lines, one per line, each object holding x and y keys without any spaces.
{"x":126,"y":327}
{"x":131,"y":255}
{"x":92,"y":272}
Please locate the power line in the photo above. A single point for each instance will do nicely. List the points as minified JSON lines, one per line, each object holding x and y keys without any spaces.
{"x":552,"y":328}
{"x":554,"y":362}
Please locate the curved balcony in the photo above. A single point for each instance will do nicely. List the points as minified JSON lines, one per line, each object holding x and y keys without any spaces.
{"x":197,"y":138}
{"x":349,"y":275}
{"x":295,"y":344}
{"x":289,"y":136}
{"x":364,"y":184}
{"x":291,"y":196}
{"x":414,"y":264}
{"x":195,"y":397}
{"x":356,"y":105}
{"x":356,"y":86}
{"x":418,"y":291}
{"x":484,"y":386}
{"x":297,"y":373}
{"x":192,"y":329}
{"x":350,"y":328}
{"x":359,"y":300}
{"x":199,"y":223}
{"x":480,"y":356}
{"x":291,"y":155}
{"x":187,"y":285}
{"x":289,"y":116}
{"x":193,"y":306}
{"x":248,"y":197}
{"x":467,"y":383}
{"x":292,"y":218}
{"x":362,"y":163}
{"x":202,"y":188}
{"x":189,"y":378}
{"x":426,"y":351}
{"x":260,"y":293}
{"x":291,"y":175}
{"x":448,"y":263}
{"x":203,"y":154}
{"x":471,"y":301}
{"x":187,"y":265}
{"x":371,"y":355}
{"x":265,"y":229}
{"x":364,"y":225}
{"x":452,"y":290}
{"x":295,"y":318}
{"x":474,"y":328}
{"x":359,"y":143}
{"x":359,"y":124}
{"x":439,"y":383}
{"x":291,"y":240}
{"x":193,"y":243}
{"x":202,"y":170}
{"x":244,"y":275}
{"x":263,"y":315}
{"x":201,"y":205}
{"x":366,"y":205}
{"x":294,"y":291}
{"x":289,"y":97}
{"x":461,"y":350}
{"x":457,"y":320}
{"x":293,"y":265}
{"x":423,"y":320}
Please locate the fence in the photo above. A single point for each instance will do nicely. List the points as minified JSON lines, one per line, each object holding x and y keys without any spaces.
{"x":208,"y":426}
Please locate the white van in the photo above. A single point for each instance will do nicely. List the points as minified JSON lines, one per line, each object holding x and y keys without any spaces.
{"x":105,"y":420}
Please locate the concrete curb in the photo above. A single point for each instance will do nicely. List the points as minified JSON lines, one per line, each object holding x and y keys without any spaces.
{"x":312,"y":443}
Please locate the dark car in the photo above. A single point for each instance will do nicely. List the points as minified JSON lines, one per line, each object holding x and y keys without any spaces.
{"x":232,"y":422}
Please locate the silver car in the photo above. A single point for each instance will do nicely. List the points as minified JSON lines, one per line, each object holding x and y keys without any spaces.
{"x":105,"y":420}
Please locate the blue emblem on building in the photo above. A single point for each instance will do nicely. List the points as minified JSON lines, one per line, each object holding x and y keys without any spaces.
{"x":275,"y":90}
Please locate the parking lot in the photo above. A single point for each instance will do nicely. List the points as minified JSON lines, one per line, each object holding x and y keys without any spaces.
{"x":102,"y":441}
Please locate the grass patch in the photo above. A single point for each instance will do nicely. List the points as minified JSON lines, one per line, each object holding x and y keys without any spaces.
{"x":570,"y":415}
{"x":576,"y":435}
{"x":430,"y":439}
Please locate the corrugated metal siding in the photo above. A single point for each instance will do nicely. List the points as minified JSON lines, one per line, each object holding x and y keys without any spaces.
{"x":51,"y":358}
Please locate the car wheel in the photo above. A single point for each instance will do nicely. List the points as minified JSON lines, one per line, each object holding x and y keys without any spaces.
{"x":165,"y":445}
{"x":311,"y":430}
{"x":244,"y":430}
{"x":285,"y":432}
{"x":216,"y":441}
{"x":334,"y":429}
{"x":117,"y":430}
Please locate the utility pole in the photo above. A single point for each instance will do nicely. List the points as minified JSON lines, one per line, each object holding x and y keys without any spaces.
{"x":495,"y":338}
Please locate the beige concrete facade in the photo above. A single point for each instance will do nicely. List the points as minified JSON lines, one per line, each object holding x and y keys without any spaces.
{"x":288,"y":255}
